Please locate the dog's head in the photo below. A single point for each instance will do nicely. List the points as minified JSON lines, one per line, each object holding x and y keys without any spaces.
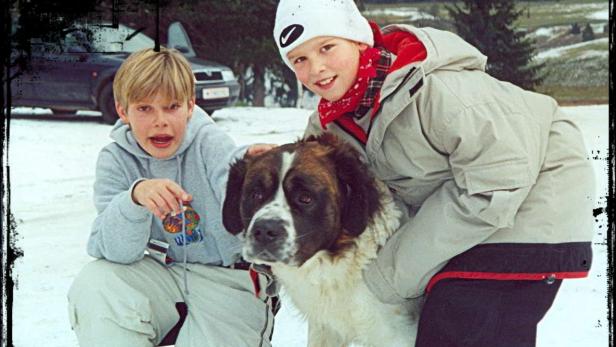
{"x":298,"y":199}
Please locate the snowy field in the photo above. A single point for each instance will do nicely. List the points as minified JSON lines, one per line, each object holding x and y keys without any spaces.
{"x":408,"y":13}
{"x":559,"y":51}
{"x":52,"y":171}
{"x":598,"y":11}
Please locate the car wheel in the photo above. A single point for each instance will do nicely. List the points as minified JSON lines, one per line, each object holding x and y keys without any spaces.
{"x":63,"y":111}
{"x":106,"y":105}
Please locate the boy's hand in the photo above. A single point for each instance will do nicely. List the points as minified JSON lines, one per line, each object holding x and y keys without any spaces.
{"x":259,"y":148}
{"x":160,"y":196}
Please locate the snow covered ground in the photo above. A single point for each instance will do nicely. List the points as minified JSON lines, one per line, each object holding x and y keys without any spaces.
{"x":592,"y":11}
{"x":52,"y":171}
{"x":549,"y":31}
{"x":408,"y":13}
{"x":596,"y":11}
{"x":558,"y":51}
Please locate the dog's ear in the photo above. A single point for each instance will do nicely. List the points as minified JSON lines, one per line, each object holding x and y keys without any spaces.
{"x":308,"y":139}
{"x":231,"y":218}
{"x":361,"y":198}
{"x":325,"y":139}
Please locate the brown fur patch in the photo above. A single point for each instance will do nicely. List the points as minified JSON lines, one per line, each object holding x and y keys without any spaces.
{"x":344,"y":241}
{"x":315,"y":161}
{"x":266,"y":167}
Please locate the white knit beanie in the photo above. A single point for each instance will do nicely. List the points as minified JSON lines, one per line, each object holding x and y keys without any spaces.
{"x":298,"y":21}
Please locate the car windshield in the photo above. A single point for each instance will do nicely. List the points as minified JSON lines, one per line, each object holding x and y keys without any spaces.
{"x":107,"y":39}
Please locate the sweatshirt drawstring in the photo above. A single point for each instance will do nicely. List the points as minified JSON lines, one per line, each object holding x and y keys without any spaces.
{"x":183,"y":228}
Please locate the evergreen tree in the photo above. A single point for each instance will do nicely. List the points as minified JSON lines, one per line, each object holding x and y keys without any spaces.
{"x":239,"y":33}
{"x":489,"y":25}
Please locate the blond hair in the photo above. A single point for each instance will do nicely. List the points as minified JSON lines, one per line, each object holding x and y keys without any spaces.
{"x":147,"y":72}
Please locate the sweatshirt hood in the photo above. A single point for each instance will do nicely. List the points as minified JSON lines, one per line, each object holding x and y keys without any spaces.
{"x":123,"y":136}
{"x":445,"y":50}
{"x":442,"y":50}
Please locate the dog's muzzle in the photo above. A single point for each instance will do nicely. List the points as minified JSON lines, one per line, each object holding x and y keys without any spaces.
{"x":266,"y":239}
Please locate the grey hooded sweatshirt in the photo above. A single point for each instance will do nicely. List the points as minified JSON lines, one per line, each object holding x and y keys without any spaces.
{"x":122,"y":229}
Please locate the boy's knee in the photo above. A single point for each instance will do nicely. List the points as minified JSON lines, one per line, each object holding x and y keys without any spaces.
{"x":101,"y":295}
{"x":103,"y":287}
{"x":88,"y":289}
{"x":94,"y":278}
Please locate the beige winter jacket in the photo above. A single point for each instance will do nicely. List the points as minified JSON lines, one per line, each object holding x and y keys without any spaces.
{"x":479,"y":161}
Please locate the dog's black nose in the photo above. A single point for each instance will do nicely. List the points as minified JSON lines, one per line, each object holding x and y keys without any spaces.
{"x":268,"y":230}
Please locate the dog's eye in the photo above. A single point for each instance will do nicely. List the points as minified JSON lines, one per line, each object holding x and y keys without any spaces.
{"x":304,"y":198}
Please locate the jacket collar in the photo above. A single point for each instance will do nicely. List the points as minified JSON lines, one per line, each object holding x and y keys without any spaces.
{"x":444,"y":50}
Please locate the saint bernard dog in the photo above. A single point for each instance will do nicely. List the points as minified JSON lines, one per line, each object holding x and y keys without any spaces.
{"x":312,"y":211}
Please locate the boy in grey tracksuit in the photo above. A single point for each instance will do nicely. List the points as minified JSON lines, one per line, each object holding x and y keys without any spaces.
{"x":496,"y":178}
{"x":159,"y":187}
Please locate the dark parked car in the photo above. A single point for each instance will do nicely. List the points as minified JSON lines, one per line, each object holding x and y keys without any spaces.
{"x":78,"y":73}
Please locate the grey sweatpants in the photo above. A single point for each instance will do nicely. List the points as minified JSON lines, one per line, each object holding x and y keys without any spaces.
{"x":134,"y":306}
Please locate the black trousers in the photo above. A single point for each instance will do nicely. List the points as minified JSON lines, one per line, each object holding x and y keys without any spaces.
{"x":484,"y":313}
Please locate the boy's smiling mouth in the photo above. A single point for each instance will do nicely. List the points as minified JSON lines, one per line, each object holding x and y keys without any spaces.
{"x":326,"y":82}
{"x":161,"y":141}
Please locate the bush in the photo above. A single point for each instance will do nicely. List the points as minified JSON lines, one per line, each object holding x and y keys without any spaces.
{"x":437,"y":23}
{"x":588,"y":34}
{"x":575,"y":29}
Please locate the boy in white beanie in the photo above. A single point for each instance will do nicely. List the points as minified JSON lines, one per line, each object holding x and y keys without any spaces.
{"x":496,"y":178}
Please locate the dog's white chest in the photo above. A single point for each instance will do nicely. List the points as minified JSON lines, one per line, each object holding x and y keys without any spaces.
{"x":341,"y":312}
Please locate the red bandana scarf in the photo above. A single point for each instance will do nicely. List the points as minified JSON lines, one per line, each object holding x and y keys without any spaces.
{"x":373,"y":65}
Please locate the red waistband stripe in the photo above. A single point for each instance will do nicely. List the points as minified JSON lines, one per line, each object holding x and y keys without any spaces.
{"x":500,"y":276}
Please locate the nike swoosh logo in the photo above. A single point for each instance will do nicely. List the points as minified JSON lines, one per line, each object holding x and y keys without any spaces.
{"x":283,"y":40}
